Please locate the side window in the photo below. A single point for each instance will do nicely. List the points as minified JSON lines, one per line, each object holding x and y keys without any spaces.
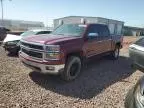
{"x":92,"y":29}
{"x":119,"y":30}
{"x":98,"y":30}
{"x":103,"y":30}
{"x":112,"y":28}
{"x":106,"y":31}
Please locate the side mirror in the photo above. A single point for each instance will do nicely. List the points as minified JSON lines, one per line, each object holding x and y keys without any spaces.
{"x":93,"y":35}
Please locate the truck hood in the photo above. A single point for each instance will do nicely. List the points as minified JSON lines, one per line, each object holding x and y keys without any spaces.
{"x":11,"y":37}
{"x":49,"y":39}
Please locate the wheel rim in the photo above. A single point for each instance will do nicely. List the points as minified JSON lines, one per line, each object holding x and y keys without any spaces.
{"x":116,"y":53}
{"x":74,"y":69}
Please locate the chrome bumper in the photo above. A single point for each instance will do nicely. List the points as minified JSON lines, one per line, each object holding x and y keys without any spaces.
{"x":51,"y":69}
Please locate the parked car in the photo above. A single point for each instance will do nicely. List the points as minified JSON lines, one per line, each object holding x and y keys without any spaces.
{"x":135,"y":96}
{"x":3,"y":32}
{"x":136,"y":53}
{"x":11,"y":42}
{"x":67,"y":48}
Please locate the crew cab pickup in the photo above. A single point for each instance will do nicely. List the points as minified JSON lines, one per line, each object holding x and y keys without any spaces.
{"x":64,"y":51}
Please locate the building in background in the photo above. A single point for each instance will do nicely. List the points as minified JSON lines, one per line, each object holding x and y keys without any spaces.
{"x":133,"y":31}
{"x":20,"y":25}
{"x":115,"y":26}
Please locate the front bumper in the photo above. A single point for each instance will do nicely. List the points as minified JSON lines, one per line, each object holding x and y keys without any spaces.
{"x":13,"y":48}
{"x":44,"y":68}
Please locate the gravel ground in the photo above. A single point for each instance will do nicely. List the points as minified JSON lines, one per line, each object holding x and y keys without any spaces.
{"x":103,"y":84}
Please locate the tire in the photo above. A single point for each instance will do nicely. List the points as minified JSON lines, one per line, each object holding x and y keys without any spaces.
{"x":14,"y":52}
{"x":72,"y":68}
{"x":115,"y":53}
{"x":129,"y":100}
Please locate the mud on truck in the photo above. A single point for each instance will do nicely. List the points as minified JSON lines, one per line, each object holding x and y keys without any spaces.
{"x":64,"y":51}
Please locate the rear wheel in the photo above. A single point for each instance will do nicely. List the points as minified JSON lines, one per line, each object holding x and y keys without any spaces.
{"x":72,"y":68}
{"x":115,"y":53}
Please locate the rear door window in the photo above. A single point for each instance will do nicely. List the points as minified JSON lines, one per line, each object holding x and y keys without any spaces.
{"x":103,"y":30}
{"x":112,"y":28}
{"x":119,"y":29}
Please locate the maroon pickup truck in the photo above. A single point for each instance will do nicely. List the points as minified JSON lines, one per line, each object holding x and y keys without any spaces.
{"x":64,"y":51}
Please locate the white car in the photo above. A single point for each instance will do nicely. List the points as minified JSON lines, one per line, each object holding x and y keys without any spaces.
{"x":11,"y":42}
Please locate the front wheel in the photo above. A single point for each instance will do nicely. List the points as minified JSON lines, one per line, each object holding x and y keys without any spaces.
{"x":14,"y":52}
{"x":72,"y":68}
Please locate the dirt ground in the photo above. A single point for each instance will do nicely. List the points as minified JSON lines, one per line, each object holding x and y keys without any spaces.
{"x":103,"y":84}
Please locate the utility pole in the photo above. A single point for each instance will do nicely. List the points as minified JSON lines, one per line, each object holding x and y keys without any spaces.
{"x":2,"y":11}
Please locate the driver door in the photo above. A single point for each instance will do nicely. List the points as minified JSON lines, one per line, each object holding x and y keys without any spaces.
{"x":94,"y":43}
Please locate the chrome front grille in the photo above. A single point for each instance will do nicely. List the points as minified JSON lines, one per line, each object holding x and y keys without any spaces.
{"x":32,"y":53}
{"x":34,"y":46}
{"x":35,"y":51}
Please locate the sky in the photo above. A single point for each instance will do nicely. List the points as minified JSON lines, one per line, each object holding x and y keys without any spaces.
{"x":129,"y":11}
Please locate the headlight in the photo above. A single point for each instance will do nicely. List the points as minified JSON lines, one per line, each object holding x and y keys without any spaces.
{"x":53,"y":48}
{"x":52,"y":56}
{"x":52,"y":52}
{"x":13,"y":42}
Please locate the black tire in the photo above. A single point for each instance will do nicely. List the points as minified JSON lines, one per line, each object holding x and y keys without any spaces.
{"x":13,"y":52}
{"x":72,"y":68}
{"x":115,"y":53}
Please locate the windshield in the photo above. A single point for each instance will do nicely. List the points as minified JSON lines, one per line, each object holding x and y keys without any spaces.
{"x":27,"y":33}
{"x":70,"y":29}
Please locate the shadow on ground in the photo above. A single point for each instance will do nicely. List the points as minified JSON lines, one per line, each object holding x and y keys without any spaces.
{"x":99,"y":74}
